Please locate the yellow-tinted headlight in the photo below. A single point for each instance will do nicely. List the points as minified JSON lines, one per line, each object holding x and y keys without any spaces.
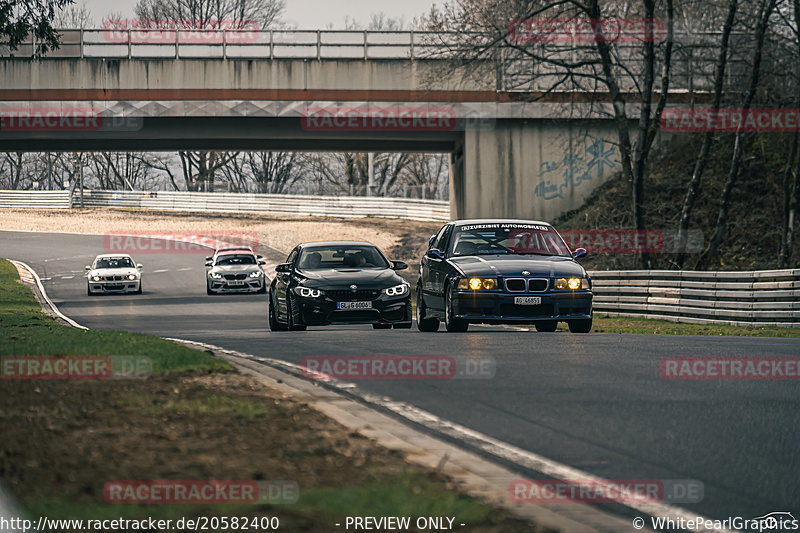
{"x":561,"y":283}
{"x":574,"y":283}
{"x":477,"y":284}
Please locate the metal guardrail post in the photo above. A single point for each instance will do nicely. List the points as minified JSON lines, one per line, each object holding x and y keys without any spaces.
{"x":319,"y":45}
{"x":365,"y":45}
{"x":129,"y":44}
{"x":81,"y":43}
{"x":271,"y":46}
{"x":412,"y":37}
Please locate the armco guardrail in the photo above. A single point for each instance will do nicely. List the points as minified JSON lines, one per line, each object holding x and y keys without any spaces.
{"x":767,"y":297}
{"x":337,"y":206}
{"x":36,"y":199}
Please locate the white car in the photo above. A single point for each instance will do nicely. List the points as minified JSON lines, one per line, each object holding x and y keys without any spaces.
{"x":113,"y":274}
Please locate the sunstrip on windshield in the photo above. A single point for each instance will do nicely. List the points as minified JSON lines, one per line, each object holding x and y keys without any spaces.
{"x":537,"y":227}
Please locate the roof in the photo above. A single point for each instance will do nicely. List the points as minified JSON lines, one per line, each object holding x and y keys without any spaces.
{"x":498,"y":221}
{"x":105,"y":256}
{"x":336,"y":243}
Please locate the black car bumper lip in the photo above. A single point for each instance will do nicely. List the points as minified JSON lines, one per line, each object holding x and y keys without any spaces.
{"x":499,"y":307}
{"x":384,"y":310}
{"x":249,"y":286}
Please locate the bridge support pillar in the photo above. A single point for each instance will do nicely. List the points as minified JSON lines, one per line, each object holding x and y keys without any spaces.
{"x":530,"y":169}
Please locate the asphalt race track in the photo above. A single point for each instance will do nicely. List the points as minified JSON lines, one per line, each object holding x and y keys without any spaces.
{"x":594,"y":402}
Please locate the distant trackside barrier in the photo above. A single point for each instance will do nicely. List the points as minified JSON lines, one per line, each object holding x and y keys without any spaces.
{"x":336,"y":206}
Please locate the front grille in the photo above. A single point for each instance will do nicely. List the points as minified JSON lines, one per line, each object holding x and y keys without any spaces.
{"x":235,"y":276}
{"x":353,"y":296}
{"x":537,"y":285}
{"x":113,"y":278}
{"x":515,"y":285}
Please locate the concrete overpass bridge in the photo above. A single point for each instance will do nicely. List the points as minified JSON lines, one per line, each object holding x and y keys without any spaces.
{"x":514,"y":152}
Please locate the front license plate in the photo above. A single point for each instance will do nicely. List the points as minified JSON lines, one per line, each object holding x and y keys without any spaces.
{"x":235,"y":283}
{"x":528,"y":300}
{"x":353,"y":305}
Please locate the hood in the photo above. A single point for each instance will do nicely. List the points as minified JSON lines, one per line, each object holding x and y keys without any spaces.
{"x":234,"y":268}
{"x":366,"y":278}
{"x":112,"y":271}
{"x":513,"y":265}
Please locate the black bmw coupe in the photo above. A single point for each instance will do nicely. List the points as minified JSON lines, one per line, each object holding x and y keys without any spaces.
{"x":502,"y":272}
{"x":338,"y":282}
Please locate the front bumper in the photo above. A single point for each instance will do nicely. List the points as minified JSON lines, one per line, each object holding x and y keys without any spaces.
{"x":115,"y":287}
{"x":385,"y":309}
{"x":499,"y":307}
{"x":225,"y":286}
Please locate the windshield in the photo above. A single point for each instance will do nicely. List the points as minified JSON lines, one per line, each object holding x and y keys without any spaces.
{"x":320,"y":257}
{"x":114,"y":262}
{"x":508,"y":238}
{"x":236,"y":259}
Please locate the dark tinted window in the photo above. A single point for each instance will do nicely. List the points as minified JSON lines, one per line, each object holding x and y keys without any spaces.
{"x":356,"y":256}
{"x":236,"y":259}
{"x":114,"y":262}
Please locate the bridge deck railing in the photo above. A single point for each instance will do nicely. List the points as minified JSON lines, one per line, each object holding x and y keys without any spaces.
{"x":694,"y":50}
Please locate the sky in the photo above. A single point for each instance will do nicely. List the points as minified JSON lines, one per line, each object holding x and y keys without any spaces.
{"x":305,"y":14}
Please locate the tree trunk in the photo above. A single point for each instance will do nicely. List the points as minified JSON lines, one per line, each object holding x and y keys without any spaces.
{"x":702,"y":159}
{"x":742,"y":141}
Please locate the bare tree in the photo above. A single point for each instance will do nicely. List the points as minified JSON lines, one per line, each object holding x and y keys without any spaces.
{"x":705,"y":149}
{"x":210,"y":13}
{"x":742,"y":140}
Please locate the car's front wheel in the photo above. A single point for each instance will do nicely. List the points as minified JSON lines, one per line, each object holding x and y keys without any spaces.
{"x":583,"y":325}
{"x":89,"y":290}
{"x":139,"y":290}
{"x":452,"y":323}
{"x":274,"y":325}
{"x":292,"y":318}
{"x":424,"y":324}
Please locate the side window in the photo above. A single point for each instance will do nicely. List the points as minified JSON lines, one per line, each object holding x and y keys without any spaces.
{"x":438,"y":238}
{"x":292,"y":257}
{"x":444,"y":240}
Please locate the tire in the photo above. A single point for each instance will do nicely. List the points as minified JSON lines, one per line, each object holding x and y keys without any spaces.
{"x":381,"y":326}
{"x":263,"y":288}
{"x":583,"y":325}
{"x":139,"y":291}
{"x":424,"y":324}
{"x":209,"y":291}
{"x":274,"y":325}
{"x":546,"y":326}
{"x":89,"y":291}
{"x":453,"y":325}
{"x":291,"y":323}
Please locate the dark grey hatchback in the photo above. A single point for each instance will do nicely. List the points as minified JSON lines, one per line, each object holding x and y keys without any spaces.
{"x":502,"y":272}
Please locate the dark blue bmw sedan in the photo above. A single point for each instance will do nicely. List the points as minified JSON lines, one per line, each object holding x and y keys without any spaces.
{"x":502,"y":272}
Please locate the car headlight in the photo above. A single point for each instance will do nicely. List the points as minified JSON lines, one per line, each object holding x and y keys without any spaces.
{"x":256,"y":274}
{"x":96,"y":277}
{"x":478,"y":283}
{"x":572,"y":283}
{"x":397,"y":290}
{"x":131,"y":277}
{"x":307,"y":292}
{"x":215,"y":275}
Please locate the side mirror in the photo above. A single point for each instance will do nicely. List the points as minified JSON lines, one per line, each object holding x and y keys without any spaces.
{"x":262,"y":262}
{"x":208,"y":263}
{"x":139,"y":266}
{"x":87,"y":267}
{"x":209,"y":258}
{"x":259,"y":257}
{"x":434,"y":253}
{"x":399,"y":265}
{"x":430,"y":241}
{"x":579,"y":252}
{"x":284,"y":267}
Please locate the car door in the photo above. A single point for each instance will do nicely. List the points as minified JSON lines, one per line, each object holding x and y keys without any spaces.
{"x":282,"y":280}
{"x":432,"y":269}
{"x":440,"y":268}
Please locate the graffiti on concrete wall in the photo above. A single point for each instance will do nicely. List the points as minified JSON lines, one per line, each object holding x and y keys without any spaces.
{"x":574,"y":169}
